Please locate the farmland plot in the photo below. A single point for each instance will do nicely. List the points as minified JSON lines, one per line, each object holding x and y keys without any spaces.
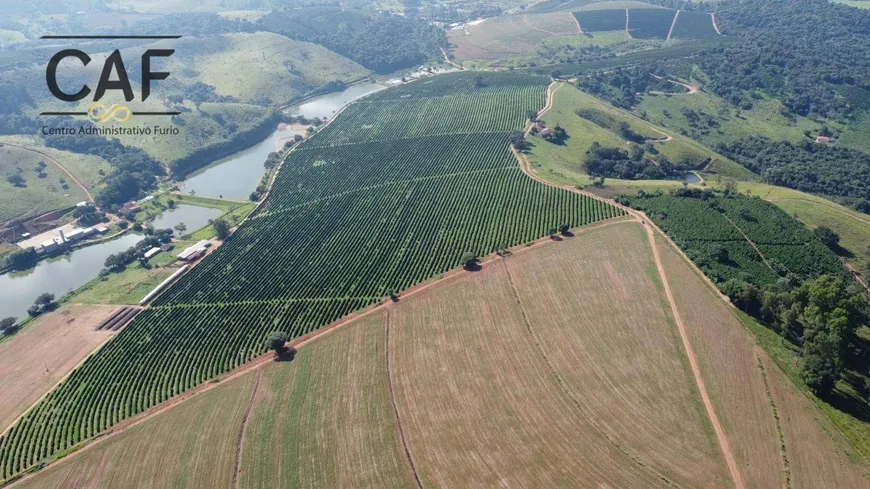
{"x":601,"y":20}
{"x":650,"y":23}
{"x":509,"y":35}
{"x":694,"y":25}
{"x":743,"y":382}
{"x":531,"y":371}
{"x":320,"y":249}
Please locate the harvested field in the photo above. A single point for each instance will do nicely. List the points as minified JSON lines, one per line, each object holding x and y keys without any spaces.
{"x":40,"y":355}
{"x":819,"y":456}
{"x":565,"y":404}
{"x":509,"y":36}
{"x":726,"y":356}
{"x":191,"y":446}
{"x":325,"y":420}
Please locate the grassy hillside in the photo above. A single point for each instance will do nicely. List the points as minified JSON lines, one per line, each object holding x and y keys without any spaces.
{"x":260,"y":67}
{"x":42,"y":189}
{"x":565,"y":162}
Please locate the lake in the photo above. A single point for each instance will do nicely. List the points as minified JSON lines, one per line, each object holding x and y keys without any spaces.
{"x":57,"y":275}
{"x":237,"y":175}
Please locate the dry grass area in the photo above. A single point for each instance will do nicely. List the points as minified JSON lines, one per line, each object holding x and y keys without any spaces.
{"x":325,"y":419}
{"x":41,"y":354}
{"x":191,"y":446}
{"x":797,"y":448}
{"x":510,"y":35}
{"x":592,"y":391}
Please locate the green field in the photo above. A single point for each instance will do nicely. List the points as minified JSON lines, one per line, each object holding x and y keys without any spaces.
{"x":601,"y":20}
{"x":650,"y":23}
{"x":853,"y":227}
{"x":232,"y":211}
{"x":764,"y":119}
{"x":565,"y":163}
{"x":693,"y":25}
{"x":855,"y":3}
{"x":781,"y":243}
{"x":127,"y":287}
{"x":38,"y":194}
{"x":87,"y":168}
{"x":396,"y":217}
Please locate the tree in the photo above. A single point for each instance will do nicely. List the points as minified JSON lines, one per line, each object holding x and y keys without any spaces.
{"x":21,"y":259}
{"x":16,"y":180}
{"x":820,"y":370}
{"x":181,"y":227}
{"x":564,"y":228}
{"x":44,"y":299}
{"x":7,"y":325}
{"x":552,"y":233}
{"x":170,"y":203}
{"x":468,"y":260}
{"x":276,"y":341}
{"x":221,"y":229}
{"x":478,"y":82}
{"x":828,"y":237}
{"x":719,"y":253}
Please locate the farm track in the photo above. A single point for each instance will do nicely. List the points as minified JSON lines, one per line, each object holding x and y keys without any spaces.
{"x":243,"y":431}
{"x":690,"y":354}
{"x":751,"y":243}
{"x":715,"y":26}
{"x":577,"y":21}
{"x":56,"y":163}
{"x":390,"y":382}
{"x":673,"y":24}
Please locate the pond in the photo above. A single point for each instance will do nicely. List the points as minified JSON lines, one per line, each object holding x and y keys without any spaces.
{"x":326,"y":106}
{"x":57,"y":275}
{"x":193,"y":216}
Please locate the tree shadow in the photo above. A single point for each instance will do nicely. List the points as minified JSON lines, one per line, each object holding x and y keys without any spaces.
{"x":473,"y":267}
{"x":842,"y":252}
{"x":287,"y":355}
{"x":850,"y":402}
{"x":568,"y":234}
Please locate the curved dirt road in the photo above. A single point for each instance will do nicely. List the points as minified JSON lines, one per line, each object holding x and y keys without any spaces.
{"x":62,"y":168}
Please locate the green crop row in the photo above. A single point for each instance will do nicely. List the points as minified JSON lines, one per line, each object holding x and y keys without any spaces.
{"x":389,"y":195}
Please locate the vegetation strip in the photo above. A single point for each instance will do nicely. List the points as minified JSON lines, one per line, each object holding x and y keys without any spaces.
{"x":786,"y":467}
{"x":243,"y":430}
{"x":408,"y":455}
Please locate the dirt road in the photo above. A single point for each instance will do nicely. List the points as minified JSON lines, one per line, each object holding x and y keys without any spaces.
{"x":56,"y":163}
{"x":715,"y":26}
{"x":673,"y":23}
{"x":693,"y":363}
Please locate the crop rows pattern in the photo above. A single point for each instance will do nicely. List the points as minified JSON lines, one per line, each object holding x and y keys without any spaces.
{"x":601,"y":20}
{"x":696,"y":224}
{"x":650,"y":23}
{"x":694,"y":25}
{"x":348,"y":221}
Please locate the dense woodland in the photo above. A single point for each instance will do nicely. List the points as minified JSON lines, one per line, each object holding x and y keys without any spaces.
{"x":809,"y":167}
{"x":382,"y":43}
{"x":803,"y":51}
{"x":607,"y":162}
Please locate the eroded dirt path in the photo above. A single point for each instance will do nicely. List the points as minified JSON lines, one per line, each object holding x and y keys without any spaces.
{"x":673,"y":23}
{"x":576,"y":21}
{"x":408,"y":455}
{"x":243,"y":431}
{"x":57,"y":164}
{"x":715,"y":26}
{"x":693,"y":363}
{"x":751,"y":243}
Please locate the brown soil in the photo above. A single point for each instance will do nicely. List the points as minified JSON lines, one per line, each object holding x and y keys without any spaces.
{"x":42,"y":354}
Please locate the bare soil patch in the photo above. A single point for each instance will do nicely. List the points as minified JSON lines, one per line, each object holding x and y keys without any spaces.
{"x":33,"y":361}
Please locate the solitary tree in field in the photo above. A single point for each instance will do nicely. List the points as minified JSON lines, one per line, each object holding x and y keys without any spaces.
{"x":276,"y":341}
{"x":468,"y":260}
{"x":552,"y":233}
{"x":181,"y":227}
{"x":16,"y":180}
{"x":221,"y":229}
{"x":564,"y":228}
